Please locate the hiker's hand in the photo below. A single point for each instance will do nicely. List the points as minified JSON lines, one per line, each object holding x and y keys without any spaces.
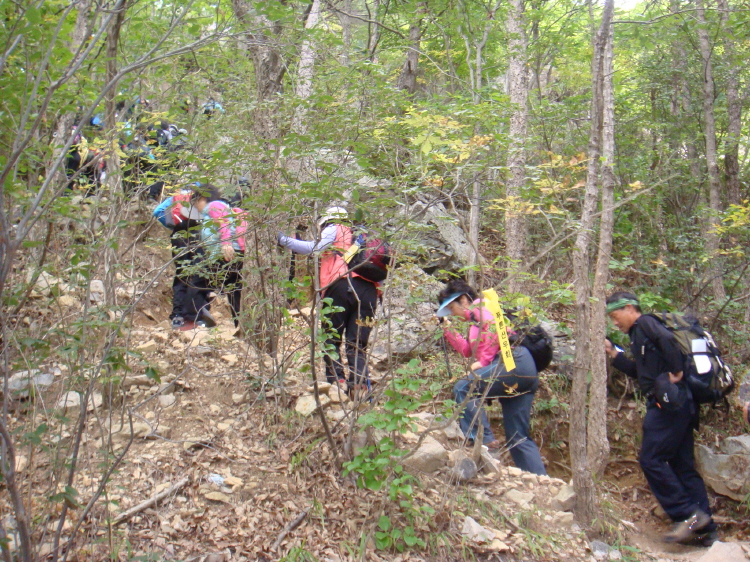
{"x":280,"y":239}
{"x":610,"y":349}
{"x":476,"y":365}
{"x":228,"y":252}
{"x":442,"y":321}
{"x":674,"y":378}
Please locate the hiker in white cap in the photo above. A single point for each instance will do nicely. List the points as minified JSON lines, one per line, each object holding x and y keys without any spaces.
{"x":349,"y":291}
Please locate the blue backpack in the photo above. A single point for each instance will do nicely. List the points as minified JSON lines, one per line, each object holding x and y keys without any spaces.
{"x":162,"y":212}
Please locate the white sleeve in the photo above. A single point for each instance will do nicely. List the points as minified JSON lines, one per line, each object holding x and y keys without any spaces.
{"x":327,"y":237}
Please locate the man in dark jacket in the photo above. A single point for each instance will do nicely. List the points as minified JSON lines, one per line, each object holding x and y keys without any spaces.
{"x":671,"y":416}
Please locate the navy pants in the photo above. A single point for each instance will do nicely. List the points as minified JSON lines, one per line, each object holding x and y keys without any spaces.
{"x":668,"y":463}
{"x":358,"y":300}
{"x":515,"y":391}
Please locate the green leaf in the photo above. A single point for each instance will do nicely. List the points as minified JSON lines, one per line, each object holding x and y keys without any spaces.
{"x":384,"y":522}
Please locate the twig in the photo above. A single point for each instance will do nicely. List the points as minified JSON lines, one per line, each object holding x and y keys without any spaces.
{"x":288,"y":529}
{"x":148,"y":503}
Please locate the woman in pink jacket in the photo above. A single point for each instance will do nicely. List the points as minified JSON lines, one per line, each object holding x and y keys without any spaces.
{"x":515,"y":389}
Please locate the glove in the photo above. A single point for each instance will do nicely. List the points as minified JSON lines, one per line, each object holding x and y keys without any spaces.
{"x":281,"y":240}
{"x":228,"y":252}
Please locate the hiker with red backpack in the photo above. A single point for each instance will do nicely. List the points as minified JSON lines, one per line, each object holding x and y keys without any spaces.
{"x":351,"y":269}
{"x":670,"y":377}
{"x":514,"y":389}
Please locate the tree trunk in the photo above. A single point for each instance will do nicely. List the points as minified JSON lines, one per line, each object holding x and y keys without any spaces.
{"x":709,"y":132}
{"x":110,"y":120}
{"x":515,"y":221}
{"x":305,"y":72}
{"x":734,"y":107}
{"x":374,"y":30}
{"x":407,"y":80}
{"x":586,"y":502}
{"x":598,"y":445}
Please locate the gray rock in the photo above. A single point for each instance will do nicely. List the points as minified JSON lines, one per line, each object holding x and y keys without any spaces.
{"x":615,"y":554}
{"x":19,"y":384}
{"x":464,"y":469}
{"x":522,"y":499}
{"x":724,"y":552}
{"x":475,"y":532}
{"x":306,"y":405}
{"x":726,"y":474}
{"x":563,"y":520}
{"x":739,"y":445}
{"x":70,"y":402}
{"x":96,"y":291}
{"x":565,"y":499}
{"x":600,"y":550}
{"x":429,"y":457}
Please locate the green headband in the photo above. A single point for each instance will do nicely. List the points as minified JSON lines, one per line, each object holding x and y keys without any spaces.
{"x":622,"y":303}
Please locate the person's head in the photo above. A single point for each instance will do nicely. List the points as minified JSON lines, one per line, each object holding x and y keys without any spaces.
{"x":456,"y":298}
{"x":333,"y":215}
{"x":624,"y":309}
{"x":203,"y":194}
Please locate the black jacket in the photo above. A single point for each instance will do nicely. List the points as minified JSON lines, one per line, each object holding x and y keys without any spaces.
{"x":655,"y":351}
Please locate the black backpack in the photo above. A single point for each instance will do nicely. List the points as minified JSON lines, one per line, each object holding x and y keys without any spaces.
{"x":708,"y":377}
{"x":537,"y":341}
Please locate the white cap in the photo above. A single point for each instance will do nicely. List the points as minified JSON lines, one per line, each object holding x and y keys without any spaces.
{"x":333,"y":214}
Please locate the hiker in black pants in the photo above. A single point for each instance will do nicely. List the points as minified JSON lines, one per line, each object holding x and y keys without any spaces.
{"x":190,"y":305}
{"x":666,"y":456}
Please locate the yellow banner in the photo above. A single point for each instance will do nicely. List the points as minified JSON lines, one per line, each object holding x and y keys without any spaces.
{"x":492,"y":303}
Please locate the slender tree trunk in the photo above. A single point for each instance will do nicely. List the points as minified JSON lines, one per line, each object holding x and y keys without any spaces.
{"x":110,"y":120}
{"x":305,"y":71}
{"x":407,"y":80}
{"x":734,"y":107}
{"x":346,"y":31}
{"x":586,"y":502}
{"x":515,"y":221}
{"x":709,"y":131}
{"x":374,"y":30}
{"x":598,"y":444}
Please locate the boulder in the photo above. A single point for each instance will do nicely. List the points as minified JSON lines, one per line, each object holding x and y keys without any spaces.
{"x":66,"y":301}
{"x":337,"y":395}
{"x":323,"y":388}
{"x":563,"y":519}
{"x":739,"y":445}
{"x":306,"y":405}
{"x":429,"y":457}
{"x":45,"y":284}
{"x":600,"y":550}
{"x":565,"y":500}
{"x":726,"y":473}
{"x":724,"y":552}
{"x":19,"y":383}
{"x":475,"y":532}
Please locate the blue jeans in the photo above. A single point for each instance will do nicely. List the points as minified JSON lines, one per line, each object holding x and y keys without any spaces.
{"x":516,"y":393}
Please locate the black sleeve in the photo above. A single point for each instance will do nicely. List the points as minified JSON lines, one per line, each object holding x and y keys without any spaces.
{"x":664,"y":341}
{"x":624,"y":364}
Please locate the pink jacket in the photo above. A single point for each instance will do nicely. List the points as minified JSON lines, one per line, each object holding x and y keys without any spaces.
{"x":227,"y":217}
{"x":482,"y":343}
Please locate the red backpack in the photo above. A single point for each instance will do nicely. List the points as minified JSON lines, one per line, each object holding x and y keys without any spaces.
{"x":373,"y":258}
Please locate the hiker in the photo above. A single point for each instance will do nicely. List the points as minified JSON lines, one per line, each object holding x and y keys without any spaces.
{"x":223,"y":236}
{"x":666,"y":456}
{"x":350,"y":291}
{"x":515,"y":389}
{"x":190,"y":305}
{"x":83,"y":166}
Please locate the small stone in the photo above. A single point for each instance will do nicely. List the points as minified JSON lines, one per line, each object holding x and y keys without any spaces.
{"x":489,"y":463}
{"x":337,"y":395}
{"x":230,"y":359}
{"x":724,"y":552}
{"x":529,"y":477}
{"x":615,"y":554}
{"x":161,"y":336}
{"x":66,"y":301}
{"x":148,"y":347}
{"x":563,"y":519}
{"x":498,"y":546}
{"x":20,"y":383}
{"x":70,"y":402}
{"x":429,"y":457}
{"x":96,"y":291}
{"x":600,"y":550}
{"x":233,"y":481}
{"x":514,"y":471}
{"x":238,"y":399}
{"x":306,"y":405}
{"x":475,"y":532}
{"x":522,"y":499}
{"x":465,"y":469}
{"x":565,"y":499}
{"x":167,"y":400}
{"x":323,"y":388}
{"x":305,"y":311}
{"x":195,"y":442}
{"x":214,"y":409}
{"x":335,"y":415}
{"x":217,"y":497}
{"x":21,"y":463}
{"x":453,"y":431}
{"x":222,"y":426}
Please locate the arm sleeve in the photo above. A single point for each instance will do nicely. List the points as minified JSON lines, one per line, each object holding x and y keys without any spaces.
{"x":225,"y":232}
{"x":458,"y":342}
{"x":665,"y":342}
{"x":627,"y":366}
{"x":327,"y":237}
